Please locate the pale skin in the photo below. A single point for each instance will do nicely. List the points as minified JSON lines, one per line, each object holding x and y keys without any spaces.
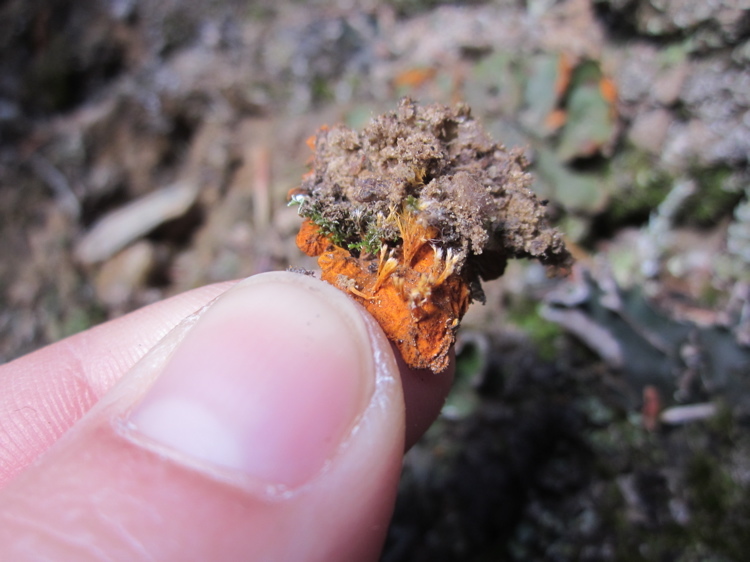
{"x":115,"y":444}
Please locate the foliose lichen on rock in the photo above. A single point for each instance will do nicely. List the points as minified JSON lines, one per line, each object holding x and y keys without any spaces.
{"x":412,"y":213}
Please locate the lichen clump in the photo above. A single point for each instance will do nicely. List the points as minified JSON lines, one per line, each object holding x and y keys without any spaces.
{"x":409,"y":215}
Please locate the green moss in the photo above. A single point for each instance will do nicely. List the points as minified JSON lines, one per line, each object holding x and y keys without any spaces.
{"x":411,"y":203}
{"x":723,"y":427}
{"x":640,"y":190}
{"x":359,"y":236}
{"x":79,"y":319}
{"x":713,"y":200}
{"x":720,"y":507}
{"x":542,"y":332}
{"x":321,"y":90}
{"x":469,"y":362}
{"x":338,"y":231}
{"x":370,"y":243}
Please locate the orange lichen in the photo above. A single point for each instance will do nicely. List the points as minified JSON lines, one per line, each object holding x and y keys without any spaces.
{"x":418,"y":299}
{"x":652,"y":406}
{"x":309,"y":239}
{"x":565,"y":67}
{"x":414,"y":77}
{"x":555,"y":119}
{"x":608,"y":90}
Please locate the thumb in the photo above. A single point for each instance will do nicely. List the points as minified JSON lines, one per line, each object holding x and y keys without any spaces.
{"x":269,"y":426}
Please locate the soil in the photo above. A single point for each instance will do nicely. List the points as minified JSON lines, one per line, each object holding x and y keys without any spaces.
{"x":147,"y":147}
{"x":412,"y":213}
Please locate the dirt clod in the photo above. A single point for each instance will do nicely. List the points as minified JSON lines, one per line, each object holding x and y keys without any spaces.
{"x":410,"y":214}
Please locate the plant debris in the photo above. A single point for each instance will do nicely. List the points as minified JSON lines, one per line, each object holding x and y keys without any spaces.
{"x":409,"y":216}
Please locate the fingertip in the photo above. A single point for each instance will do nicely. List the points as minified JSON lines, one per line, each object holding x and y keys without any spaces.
{"x":268,"y":383}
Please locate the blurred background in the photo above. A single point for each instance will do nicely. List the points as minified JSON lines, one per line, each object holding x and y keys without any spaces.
{"x":147,"y":146}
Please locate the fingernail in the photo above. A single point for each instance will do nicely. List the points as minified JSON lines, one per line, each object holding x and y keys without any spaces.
{"x":269,"y":382}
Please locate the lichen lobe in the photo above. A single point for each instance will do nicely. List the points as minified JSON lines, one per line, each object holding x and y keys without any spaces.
{"x":411,"y":213}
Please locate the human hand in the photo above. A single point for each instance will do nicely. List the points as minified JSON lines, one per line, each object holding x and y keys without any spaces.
{"x":270,"y":425}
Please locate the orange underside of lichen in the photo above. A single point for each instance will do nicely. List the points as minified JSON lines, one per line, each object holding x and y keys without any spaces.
{"x":418,"y":310}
